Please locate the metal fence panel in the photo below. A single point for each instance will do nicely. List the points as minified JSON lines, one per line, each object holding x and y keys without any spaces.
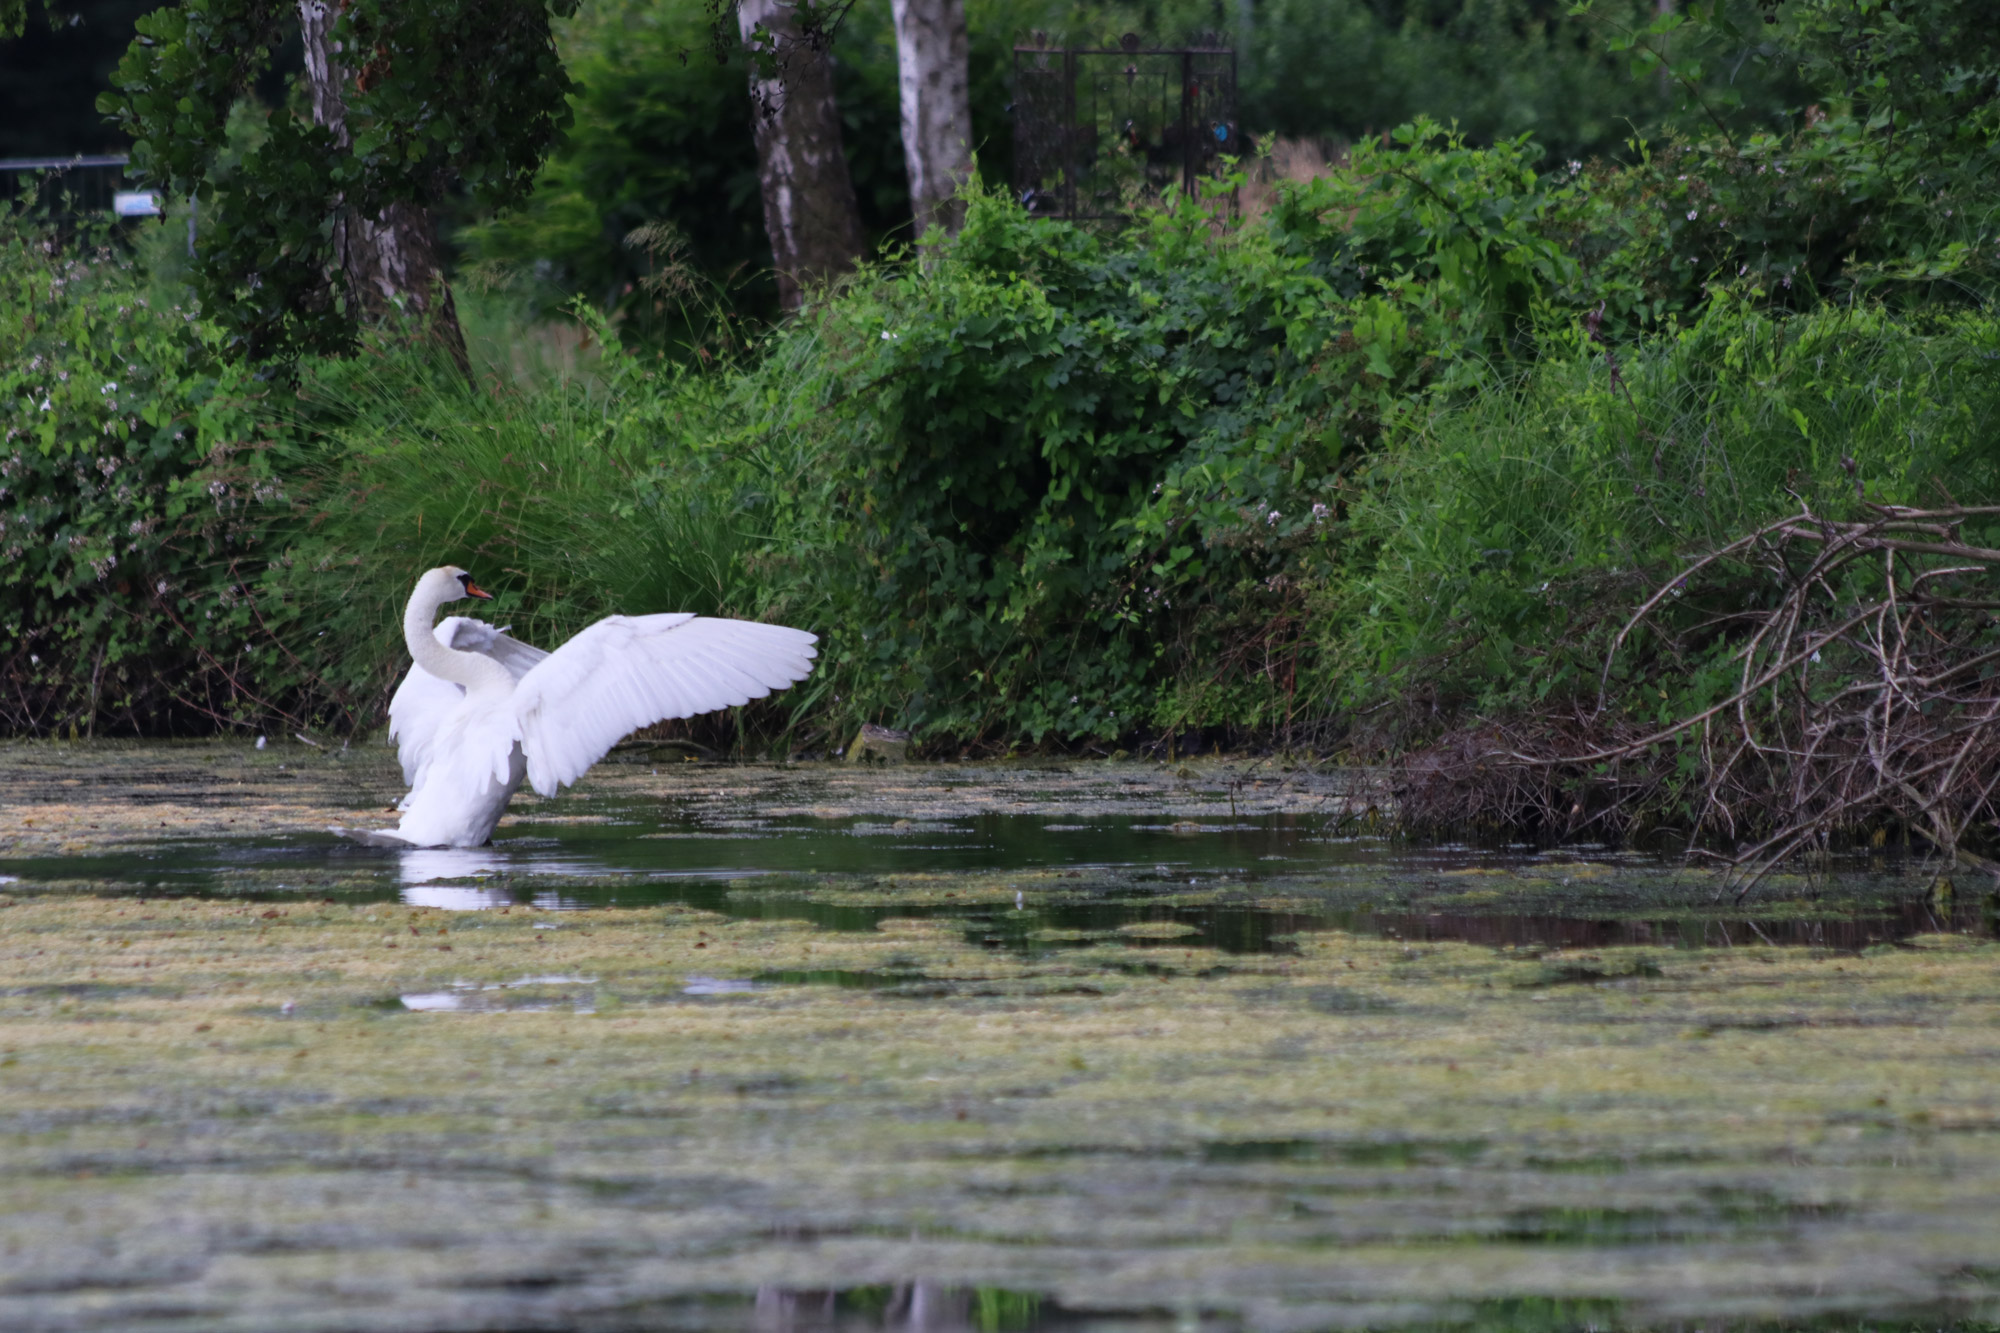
{"x":1101,"y":132}
{"x":71,"y":187}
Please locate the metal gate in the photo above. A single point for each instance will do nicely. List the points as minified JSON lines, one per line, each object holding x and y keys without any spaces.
{"x":86,"y":185}
{"x":1100,"y":132}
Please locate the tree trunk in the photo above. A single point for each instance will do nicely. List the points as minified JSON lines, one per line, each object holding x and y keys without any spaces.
{"x":937,"y":109}
{"x":809,"y":208}
{"x":389,"y":261}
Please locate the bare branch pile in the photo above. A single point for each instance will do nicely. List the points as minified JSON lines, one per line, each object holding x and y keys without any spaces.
{"x":1865,"y":698}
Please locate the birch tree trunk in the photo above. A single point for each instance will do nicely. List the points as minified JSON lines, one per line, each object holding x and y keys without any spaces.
{"x":937,"y":109}
{"x":390,"y":260}
{"x":810,"y":211}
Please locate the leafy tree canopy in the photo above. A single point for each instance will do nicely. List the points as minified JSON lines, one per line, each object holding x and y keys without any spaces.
{"x":440,"y":95}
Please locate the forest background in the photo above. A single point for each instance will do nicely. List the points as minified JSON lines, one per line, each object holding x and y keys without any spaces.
{"x":1516,"y":311}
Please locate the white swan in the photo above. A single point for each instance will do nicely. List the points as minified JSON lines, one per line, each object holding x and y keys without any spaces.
{"x":480,"y":711}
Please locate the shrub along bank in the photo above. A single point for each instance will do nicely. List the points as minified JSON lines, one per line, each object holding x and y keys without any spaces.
{"x":140,"y":475}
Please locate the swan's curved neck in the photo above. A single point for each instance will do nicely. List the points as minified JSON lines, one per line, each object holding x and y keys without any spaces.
{"x":472,"y":670}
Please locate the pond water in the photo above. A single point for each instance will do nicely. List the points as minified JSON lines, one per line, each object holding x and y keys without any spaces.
{"x":1219,"y":873}
{"x":1002,"y":1047}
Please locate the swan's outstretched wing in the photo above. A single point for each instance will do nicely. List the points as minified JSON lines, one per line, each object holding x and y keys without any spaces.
{"x":627,"y":672}
{"x":422,"y":701}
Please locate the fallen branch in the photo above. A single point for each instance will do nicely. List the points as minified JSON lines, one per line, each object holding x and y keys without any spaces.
{"x":1866,"y":695}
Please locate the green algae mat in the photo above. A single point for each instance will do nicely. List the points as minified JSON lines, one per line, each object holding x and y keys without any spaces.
{"x":1159,"y":1048}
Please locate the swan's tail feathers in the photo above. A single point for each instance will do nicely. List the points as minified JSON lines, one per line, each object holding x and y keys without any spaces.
{"x":372,"y":837}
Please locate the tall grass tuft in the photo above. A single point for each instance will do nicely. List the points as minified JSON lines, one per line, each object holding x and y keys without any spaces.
{"x":1495,"y":547}
{"x":547,"y":492}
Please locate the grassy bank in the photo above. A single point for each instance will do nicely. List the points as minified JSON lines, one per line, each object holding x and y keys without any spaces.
{"x":1383,"y":469}
{"x":1060,"y":489}
{"x":1498,"y":546}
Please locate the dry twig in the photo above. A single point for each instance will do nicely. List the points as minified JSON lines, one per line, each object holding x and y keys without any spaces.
{"x":1867,"y":693}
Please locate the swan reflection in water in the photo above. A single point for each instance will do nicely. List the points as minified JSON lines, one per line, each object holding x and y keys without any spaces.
{"x":926,"y":1306}
{"x":427,"y":877}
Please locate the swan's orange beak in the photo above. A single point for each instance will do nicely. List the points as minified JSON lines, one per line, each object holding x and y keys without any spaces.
{"x":474,"y":590}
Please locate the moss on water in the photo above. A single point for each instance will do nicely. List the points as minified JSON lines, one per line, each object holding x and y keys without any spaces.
{"x":1376,"y":1091}
{"x":73,"y":798}
{"x":226,"y":1106}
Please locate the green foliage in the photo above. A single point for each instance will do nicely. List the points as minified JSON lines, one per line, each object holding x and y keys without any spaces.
{"x":1097,"y":479}
{"x":446,"y":95}
{"x":1890,"y":181}
{"x":1410,"y":444}
{"x":1929,"y":66}
{"x":1493,"y":550}
{"x":661,"y":135}
{"x":1465,"y":235}
{"x":1495,"y":68}
{"x":1080,"y":472}
{"x":136,"y":475}
{"x":1929,"y":69}
{"x":1010,"y":411}
{"x":661,"y":129}
{"x":14,"y":16}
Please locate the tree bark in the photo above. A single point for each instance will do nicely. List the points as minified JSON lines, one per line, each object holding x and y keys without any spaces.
{"x":389,"y":261}
{"x":937,"y":109}
{"x":810,"y":211}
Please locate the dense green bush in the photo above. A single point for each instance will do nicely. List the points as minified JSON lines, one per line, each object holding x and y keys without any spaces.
{"x":137,"y":473}
{"x":1495,"y":68}
{"x":1007,"y":416}
{"x":1079,"y":472}
{"x":1098,"y":481}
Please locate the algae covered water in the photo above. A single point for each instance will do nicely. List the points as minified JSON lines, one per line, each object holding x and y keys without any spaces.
{"x":1003,"y":1047}
{"x":1242,"y":853}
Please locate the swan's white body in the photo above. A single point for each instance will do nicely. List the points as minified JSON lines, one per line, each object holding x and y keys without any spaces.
{"x":481,"y":712}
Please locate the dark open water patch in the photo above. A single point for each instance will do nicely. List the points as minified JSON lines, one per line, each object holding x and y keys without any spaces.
{"x":1240,"y":885}
{"x":926,"y":1306}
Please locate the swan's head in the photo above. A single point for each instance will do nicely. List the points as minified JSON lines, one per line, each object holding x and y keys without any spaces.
{"x":448,"y":583}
